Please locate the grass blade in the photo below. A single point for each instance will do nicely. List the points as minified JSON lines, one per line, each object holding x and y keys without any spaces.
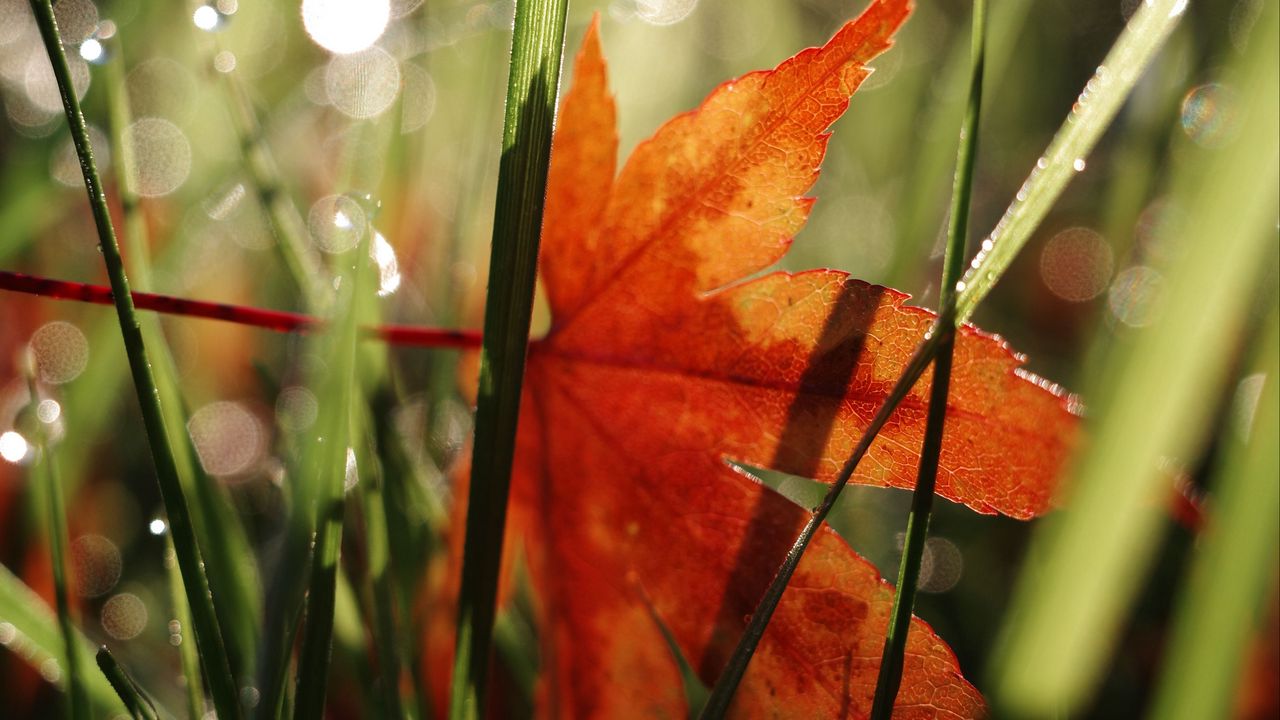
{"x":536,"y":53}
{"x":1066,"y":155}
{"x":331,"y":462}
{"x":232,"y":577}
{"x":30,"y":631}
{"x":1128,"y":58}
{"x":895,"y":644}
{"x":186,"y":649}
{"x":1087,"y":562}
{"x":1234,"y":563}
{"x":134,"y":699}
{"x":46,"y":470}
{"x":208,"y":636}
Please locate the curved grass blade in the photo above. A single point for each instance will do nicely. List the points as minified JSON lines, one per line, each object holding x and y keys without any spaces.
{"x":1153,"y":401}
{"x":30,"y":631}
{"x":537,"y":48}
{"x":208,"y":636}
{"x":1132,"y":52}
{"x":895,"y":644}
{"x":131,"y":694}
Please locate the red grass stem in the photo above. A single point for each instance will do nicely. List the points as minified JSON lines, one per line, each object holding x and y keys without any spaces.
{"x":275,"y":320}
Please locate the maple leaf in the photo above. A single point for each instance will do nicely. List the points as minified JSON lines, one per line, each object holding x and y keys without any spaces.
{"x":662,"y":363}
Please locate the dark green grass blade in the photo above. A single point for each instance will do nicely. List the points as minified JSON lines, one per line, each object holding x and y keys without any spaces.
{"x":536,"y":54}
{"x":209,"y":638}
{"x":895,"y":644}
{"x":134,"y":699}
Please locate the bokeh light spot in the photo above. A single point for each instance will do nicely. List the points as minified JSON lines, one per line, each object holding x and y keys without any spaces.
{"x":124,"y":616}
{"x":336,"y":222}
{"x":161,"y":156}
{"x":345,"y":26}
{"x":1076,"y":264}
{"x":362,"y":85}
{"x":61,"y":350}
{"x":97,"y":565}
{"x":1209,"y":115}
{"x":229,"y":439}
{"x":1134,"y":295}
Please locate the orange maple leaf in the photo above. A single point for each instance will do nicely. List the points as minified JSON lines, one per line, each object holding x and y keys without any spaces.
{"x":662,"y":364}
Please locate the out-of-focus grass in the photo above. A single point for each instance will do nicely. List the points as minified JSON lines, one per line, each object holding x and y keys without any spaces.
{"x":880,"y":215}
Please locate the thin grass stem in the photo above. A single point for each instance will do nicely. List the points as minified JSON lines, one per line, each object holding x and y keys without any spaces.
{"x":46,"y":467}
{"x":208,"y":636}
{"x":895,"y":644}
{"x":536,"y":52}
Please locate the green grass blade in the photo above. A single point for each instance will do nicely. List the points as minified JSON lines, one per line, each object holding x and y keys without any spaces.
{"x":46,"y":470}
{"x":1235,"y":561}
{"x":29,"y":629}
{"x":287,"y":224}
{"x":1067,"y":152}
{"x":208,"y":636}
{"x":1153,"y":401}
{"x":194,"y":690}
{"x":232,"y":577}
{"x":895,"y":644}
{"x":327,"y":494}
{"x":536,"y":53}
{"x":134,"y":699}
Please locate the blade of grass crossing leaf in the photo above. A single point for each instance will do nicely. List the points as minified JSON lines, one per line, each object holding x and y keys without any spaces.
{"x":1092,"y":113}
{"x":29,"y":630}
{"x":890,"y":677}
{"x":1154,"y":402}
{"x":46,"y":470}
{"x":232,"y":580}
{"x":208,"y":636}
{"x":1235,"y":562}
{"x":134,"y":699}
{"x":536,"y":52}
{"x":1126,"y":61}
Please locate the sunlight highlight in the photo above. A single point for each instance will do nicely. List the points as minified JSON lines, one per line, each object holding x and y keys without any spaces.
{"x":345,"y":26}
